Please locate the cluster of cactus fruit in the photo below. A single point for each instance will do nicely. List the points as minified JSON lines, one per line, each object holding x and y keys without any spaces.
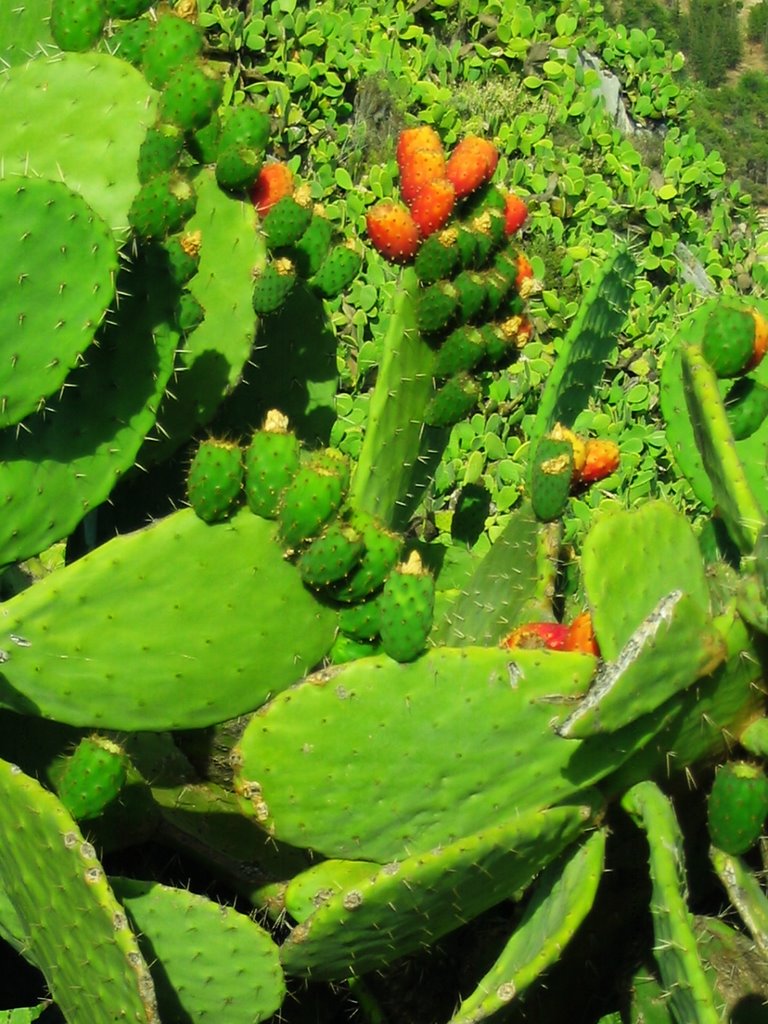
{"x":346,"y":555}
{"x":370,"y":738}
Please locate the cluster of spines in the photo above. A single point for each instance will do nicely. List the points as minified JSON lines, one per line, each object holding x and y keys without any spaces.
{"x":300,"y":241}
{"x":457,"y":228}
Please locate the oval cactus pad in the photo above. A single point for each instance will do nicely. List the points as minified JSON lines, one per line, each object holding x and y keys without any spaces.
{"x":58,"y":261}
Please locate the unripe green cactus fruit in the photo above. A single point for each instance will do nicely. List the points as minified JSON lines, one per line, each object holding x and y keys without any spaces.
{"x":191,"y":95}
{"x":172,"y":43}
{"x":285,"y":222}
{"x":271,"y":462}
{"x":273,"y":285}
{"x":452,"y":401}
{"x":92,"y":777}
{"x":737,"y":807}
{"x":339,"y":269}
{"x":472,"y":295}
{"x":407,"y":606}
{"x":237,"y":167}
{"x":551,"y":475}
{"x":728,"y":342}
{"x":160,"y":150}
{"x":332,"y":556}
{"x":245,"y":126}
{"x":438,"y":256}
{"x":183,"y":252}
{"x":77,"y":24}
{"x":436,"y":306}
{"x":129,"y":40}
{"x":127,"y":8}
{"x":382,"y":549}
{"x":311,"y":249}
{"x":361,"y":621}
{"x":309,"y":501}
{"x":746,"y":406}
{"x":188,"y":313}
{"x":162,"y":205}
{"x":215,"y":480}
{"x":462,"y":350}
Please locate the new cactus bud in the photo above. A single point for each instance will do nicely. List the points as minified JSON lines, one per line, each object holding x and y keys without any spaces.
{"x":92,"y":776}
{"x":271,"y":462}
{"x":737,"y":807}
{"x":215,"y":480}
{"x":406,"y":606}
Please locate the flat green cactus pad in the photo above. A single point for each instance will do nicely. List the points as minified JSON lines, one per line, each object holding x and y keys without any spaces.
{"x":212,"y":963}
{"x":213,"y":356}
{"x":165,"y":619}
{"x":673,"y":647}
{"x":24,"y":31}
{"x":75,"y":931}
{"x":690,"y":992}
{"x":58,"y":263}
{"x":411,"y":903}
{"x":65,"y":462}
{"x":395,"y":420}
{"x":376,"y":758}
{"x":560,"y":901}
{"x":746,"y":894}
{"x":97,"y":108}
{"x":633,"y":560}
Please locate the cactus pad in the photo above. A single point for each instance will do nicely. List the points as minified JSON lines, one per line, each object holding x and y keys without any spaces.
{"x":75,"y":930}
{"x":98,"y":108}
{"x":204,"y":957}
{"x":58,"y":262}
{"x":185,"y":579}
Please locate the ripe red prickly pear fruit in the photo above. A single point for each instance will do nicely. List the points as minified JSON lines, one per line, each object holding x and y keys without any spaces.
{"x":552,"y":636}
{"x":433,"y":206}
{"x":601,"y":459}
{"x":419,"y":169}
{"x":760,"y":344}
{"x":275,"y":180}
{"x":393,"y":231}
{"x":515,"y":213}
{"x":471,"y":164}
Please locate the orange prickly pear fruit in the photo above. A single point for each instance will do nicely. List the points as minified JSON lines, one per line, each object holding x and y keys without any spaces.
{"x":471,"y":164}
{"x":524,"y":273}
{"x":274,"y":181}
{"x":515,"y":213}
{"x":433,"y":206}
{"x":760,"y":344}
{"x":602,"y":459}
{"x":581,"y":636}
{"x":412,"y":139}
{"x":552,"y":636}
{"x":393,"y":231}
{"x":421,"y":168}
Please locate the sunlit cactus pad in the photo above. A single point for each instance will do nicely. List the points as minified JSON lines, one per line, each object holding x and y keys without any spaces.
{"x":58,"y":262}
